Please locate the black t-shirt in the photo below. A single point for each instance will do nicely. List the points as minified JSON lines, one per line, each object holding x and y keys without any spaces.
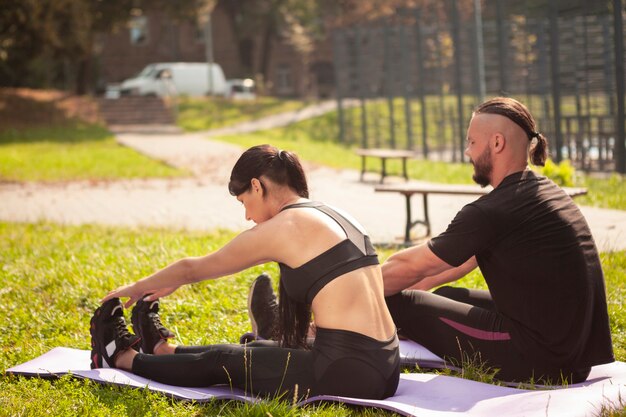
{"x":541,"y":265}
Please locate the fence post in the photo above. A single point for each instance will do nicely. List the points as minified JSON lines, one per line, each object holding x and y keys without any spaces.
{"x":608,"y":65}
{"x":361,"y":80}
{"x":502,"y":50}
{"x":618,"y":33}
{"x":456,"y":40}
{"x":388,"y":71}
{"x":420,"y":80}
{"x":338,"y":83}
{"x":480,"y":52}
{"x":406,"y":88}
{"x":556,"y":85}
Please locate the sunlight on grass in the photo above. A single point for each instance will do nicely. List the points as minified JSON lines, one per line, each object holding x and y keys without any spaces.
{"x":74,"y":152}
{"x":54,"y":275}
{"x":201,"y":113}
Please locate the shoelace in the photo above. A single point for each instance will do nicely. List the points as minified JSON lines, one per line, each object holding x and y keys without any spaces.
{"x":121,"y":330}
{"x":156,"y":321}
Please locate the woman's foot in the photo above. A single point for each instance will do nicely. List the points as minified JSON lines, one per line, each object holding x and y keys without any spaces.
{"x":263,"y":309}
{"x":109,"y":334}
{"x":147,"y":325}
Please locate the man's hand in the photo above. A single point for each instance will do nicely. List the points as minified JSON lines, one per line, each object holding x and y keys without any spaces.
{"x":409,"y":266}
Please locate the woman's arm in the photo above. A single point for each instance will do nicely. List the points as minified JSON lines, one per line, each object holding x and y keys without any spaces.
{"x":252,"y":247}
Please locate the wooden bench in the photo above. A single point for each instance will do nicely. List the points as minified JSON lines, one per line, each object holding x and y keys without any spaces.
{"x":425,"y":189}
{"x":383,"y":155}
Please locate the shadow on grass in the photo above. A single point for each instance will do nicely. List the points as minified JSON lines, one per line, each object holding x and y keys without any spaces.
{"x":30,"y":116}
{"x":72,"y":132}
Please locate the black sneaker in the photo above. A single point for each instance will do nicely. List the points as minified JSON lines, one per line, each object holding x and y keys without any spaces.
{"x":109,"y":334}
{"x":147,"y":325}
{"x":263,"y":308}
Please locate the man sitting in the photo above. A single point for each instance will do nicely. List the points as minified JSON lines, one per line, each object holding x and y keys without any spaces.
{"x":544,"y":317}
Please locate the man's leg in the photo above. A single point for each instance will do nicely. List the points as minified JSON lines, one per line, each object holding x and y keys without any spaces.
{"x":457,"y":331}
{"x":478,"y":298}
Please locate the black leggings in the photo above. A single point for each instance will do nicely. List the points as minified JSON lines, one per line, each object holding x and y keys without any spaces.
{"x":340,"y":363}
{"x":459,"y":323}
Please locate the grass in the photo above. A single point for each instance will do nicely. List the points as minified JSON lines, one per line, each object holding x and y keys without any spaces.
{"x":53,"y":276}
{"x":201,"y":114}
{"x":75,"y":151}
{"x":50,"y":136}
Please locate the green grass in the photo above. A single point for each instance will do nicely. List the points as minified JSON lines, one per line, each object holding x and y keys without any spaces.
{"x":210,"y":113}
{"x":53,"y":276}
{"x":604,"y":192}
{"x":73,"y":151}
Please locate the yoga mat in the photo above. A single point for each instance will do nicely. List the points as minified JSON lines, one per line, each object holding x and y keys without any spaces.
{"x":414,"y":354}
{"x":420,"y":395}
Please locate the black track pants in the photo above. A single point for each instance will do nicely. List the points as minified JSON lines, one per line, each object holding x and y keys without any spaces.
{"x":259,"y":367}
{"x":340,"y":363}
{"x":459,"y":323}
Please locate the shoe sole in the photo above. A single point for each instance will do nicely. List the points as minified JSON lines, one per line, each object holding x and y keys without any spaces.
{"x":134,"y":317}
{"x":92,"y":330}
{"x":255,"y":327}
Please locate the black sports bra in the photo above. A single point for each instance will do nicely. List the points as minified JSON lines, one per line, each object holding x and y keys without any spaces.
{"x":304,"y":282}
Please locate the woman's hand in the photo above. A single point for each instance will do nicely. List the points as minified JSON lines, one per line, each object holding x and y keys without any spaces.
{"x":134,"y":294}
{"x":131,"y":291}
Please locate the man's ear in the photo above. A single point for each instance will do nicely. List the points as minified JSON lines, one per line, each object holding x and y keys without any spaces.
{"x":498,"y":142}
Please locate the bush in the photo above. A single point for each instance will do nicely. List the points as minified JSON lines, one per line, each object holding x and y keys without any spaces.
{"x":562,"y":174}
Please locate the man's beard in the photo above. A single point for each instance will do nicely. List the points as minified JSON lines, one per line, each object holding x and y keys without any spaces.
{"x":482,"y":168}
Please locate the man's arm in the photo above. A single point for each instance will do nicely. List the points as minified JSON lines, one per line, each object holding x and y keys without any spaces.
{"x":419,"y":268}
{"x":450,"y":275}
{"x":409,"y":266}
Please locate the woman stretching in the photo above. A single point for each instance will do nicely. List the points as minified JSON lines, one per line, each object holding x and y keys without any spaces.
{"x":328,"y":268}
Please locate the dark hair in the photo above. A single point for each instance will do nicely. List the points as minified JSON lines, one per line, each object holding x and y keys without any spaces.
{"x":519,"y":114}
{"x":294,"y":320}
{"x":281,"y":167}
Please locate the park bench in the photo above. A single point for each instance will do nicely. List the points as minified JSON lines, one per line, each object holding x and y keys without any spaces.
{"x":383,"y":155}
{"x":426,"y":189}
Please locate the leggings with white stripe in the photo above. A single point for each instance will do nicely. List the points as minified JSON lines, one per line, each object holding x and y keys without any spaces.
{"x":459,"y":323}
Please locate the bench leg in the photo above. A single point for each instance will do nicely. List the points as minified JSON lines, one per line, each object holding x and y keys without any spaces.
{"x":362,"y":167}
{"x":404,"y":172}
{"x":410,"y":223}
{"x":426,"y":218}
{"x":384,"y":170}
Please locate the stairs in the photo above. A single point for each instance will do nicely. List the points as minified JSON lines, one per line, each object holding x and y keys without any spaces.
{"x":135,"y":110}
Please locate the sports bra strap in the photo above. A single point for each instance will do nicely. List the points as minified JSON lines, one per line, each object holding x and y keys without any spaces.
{"x":352,"y":232}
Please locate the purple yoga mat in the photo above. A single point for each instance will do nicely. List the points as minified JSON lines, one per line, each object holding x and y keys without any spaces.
{"x":419,"y":394}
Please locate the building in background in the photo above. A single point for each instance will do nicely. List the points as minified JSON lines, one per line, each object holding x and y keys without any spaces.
{"x":152,"y":36}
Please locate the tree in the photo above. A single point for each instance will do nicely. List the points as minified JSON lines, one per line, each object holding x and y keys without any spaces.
{"x":46,"y":43}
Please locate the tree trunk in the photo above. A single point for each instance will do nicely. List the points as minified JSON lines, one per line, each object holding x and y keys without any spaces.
{"x":266,"y":50}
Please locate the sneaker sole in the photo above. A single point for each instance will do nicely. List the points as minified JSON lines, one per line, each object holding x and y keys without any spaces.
{"x":255,"y":326}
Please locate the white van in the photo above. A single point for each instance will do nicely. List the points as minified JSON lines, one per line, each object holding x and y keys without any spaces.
{"x":241,"y":89}
{"x":169,"y":78}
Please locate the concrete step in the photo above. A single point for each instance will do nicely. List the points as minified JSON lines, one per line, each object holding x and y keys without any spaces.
{"x":135,"y":110}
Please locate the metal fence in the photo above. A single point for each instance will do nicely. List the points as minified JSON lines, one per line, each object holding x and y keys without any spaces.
{"x":418,"y":75}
